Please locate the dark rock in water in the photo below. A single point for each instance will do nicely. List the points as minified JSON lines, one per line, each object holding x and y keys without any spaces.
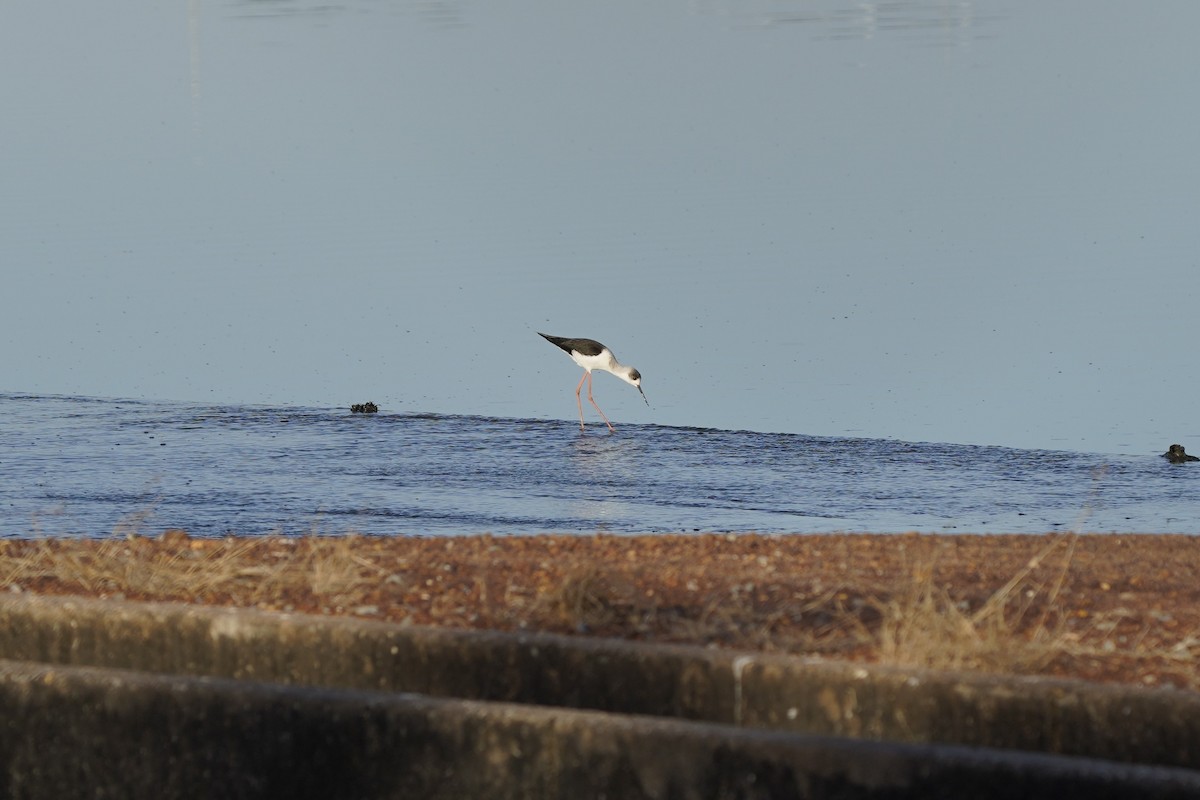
{"x":366,"y":408}
{"x":1176,"y":455}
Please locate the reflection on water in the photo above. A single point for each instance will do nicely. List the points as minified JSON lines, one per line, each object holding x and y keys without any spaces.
{"x":287,"y":8}
{"x":75,"y":466}
{"x":933,"y":22}
{"x":442,"y":13}
{"x":605,"y":458}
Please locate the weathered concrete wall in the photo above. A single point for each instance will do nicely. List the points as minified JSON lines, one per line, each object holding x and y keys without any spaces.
{"x":350,"y":653}
{"x":87,"y":732}
{"x":788,"y":694}
{"x":1052,"y":716}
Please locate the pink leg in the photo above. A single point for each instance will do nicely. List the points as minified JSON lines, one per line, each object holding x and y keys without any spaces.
{"x":593,"y":402}
{"x":579,"y":402}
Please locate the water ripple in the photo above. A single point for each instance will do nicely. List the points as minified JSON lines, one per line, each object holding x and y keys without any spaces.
{"x":86,"y":466}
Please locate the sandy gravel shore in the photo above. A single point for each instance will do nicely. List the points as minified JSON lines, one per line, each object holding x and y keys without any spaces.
{"x":1102,"y":607}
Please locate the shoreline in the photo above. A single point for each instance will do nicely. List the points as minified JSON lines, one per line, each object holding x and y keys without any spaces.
{"x":1122,"y":608}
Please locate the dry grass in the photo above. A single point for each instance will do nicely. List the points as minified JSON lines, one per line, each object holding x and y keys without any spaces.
{"x":588,"y":598}
{"x":925,"y":626}
{"x":231,"y":570}
{"x":921,"y":625}
{"x":1010,"y":605}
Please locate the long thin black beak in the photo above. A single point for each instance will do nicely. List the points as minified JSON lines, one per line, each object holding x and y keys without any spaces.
{"x":643,"y":394}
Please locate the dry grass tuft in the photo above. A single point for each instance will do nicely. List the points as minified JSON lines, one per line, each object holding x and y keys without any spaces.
{"x":588,"y":598}
{"x":927,"y":627}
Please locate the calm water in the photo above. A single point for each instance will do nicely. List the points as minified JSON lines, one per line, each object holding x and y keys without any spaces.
{"x":920,"y":220}
{"x":83,"y":466}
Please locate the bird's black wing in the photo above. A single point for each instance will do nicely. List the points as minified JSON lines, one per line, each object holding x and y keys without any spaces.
{"x":585,"y":347}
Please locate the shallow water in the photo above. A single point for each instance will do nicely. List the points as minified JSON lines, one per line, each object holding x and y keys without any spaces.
{"x":84,"y":466}
{"x":925,"y":220}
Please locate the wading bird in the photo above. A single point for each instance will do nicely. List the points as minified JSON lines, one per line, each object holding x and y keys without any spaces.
{"x":590,"y":354}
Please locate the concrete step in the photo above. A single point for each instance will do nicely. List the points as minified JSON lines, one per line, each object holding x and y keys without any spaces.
{"x":1025,"y":733}
{"x":70,"y":732}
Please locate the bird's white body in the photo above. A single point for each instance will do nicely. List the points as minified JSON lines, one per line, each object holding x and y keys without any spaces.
{"x":607,"y":362}
{"x":591,"y":355}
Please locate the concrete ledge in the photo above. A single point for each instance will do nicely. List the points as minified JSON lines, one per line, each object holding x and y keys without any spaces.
{"x":609,"y":675}
{"x":1118,"y":723}
{"x":76,"y":731}
{"x":1061,"y":717}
